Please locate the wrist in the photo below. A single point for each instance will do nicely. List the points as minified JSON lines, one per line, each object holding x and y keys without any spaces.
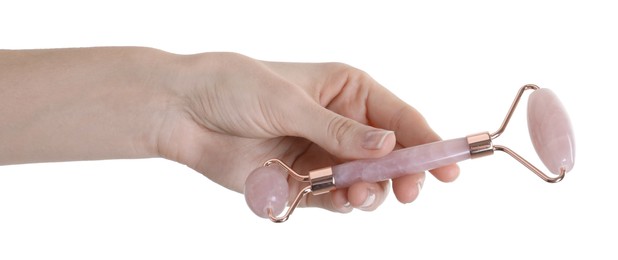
{"x":157,"y":98}
{"x":182,"y":80}
{"x":138,"y":94}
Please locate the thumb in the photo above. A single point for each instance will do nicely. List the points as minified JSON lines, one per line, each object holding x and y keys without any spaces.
{"x":342,"y":136}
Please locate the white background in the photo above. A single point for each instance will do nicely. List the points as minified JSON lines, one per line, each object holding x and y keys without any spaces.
{"x":458,"y":62}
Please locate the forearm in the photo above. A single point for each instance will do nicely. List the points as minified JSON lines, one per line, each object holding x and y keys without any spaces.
{"x":82,"y":104}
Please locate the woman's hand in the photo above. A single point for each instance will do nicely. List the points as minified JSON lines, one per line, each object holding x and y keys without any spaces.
{"x":222,"y":114}
{"x":231,"y":113}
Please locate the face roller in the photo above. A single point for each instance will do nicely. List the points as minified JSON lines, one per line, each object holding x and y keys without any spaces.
{"x":266,"y":188}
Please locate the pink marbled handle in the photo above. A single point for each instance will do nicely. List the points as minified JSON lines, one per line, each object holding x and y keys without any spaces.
{"x":266,"y":187}
{"x":401,"y":162}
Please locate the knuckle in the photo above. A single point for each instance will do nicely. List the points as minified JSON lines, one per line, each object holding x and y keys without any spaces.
{"x":339,"y":127}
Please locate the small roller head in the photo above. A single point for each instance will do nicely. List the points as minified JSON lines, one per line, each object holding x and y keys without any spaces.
{"x":267,"y":188}
{"x":550,"y":131}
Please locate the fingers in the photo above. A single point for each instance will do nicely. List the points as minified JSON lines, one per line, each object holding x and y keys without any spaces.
{"x":447,"y":173}
{"x":367,"y":196}
{"x":340,"y":136}
{"x":336,"y":129}
{"x":407,"y":188}
{"x":387,"y":111}
{"x":348,"y":139}
{"x":363,"y":196}
{"x":339,"y":201}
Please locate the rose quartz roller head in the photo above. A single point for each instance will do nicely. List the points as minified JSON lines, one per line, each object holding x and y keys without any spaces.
{"x":266,"y":188}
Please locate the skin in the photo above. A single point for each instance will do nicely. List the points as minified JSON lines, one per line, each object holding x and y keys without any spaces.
{"x":222,"y":114}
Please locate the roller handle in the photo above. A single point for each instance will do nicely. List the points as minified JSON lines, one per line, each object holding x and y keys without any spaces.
{"x":405,"y":161}
{"x":266,"y":188}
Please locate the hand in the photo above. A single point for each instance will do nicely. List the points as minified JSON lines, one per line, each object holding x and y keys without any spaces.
{"x":232,"y":113}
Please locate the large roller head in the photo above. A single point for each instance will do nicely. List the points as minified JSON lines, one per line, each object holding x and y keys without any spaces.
{"x":550,"y":131}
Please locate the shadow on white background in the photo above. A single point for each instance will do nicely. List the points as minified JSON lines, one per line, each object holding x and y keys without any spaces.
{"x":459,"y":62}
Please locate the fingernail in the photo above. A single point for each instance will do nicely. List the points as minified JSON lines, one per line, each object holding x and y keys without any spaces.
{"x":374,"y":140}
{"x":347,"y":205}
{"x":419,"y":184}
{"x":371,"y":198}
